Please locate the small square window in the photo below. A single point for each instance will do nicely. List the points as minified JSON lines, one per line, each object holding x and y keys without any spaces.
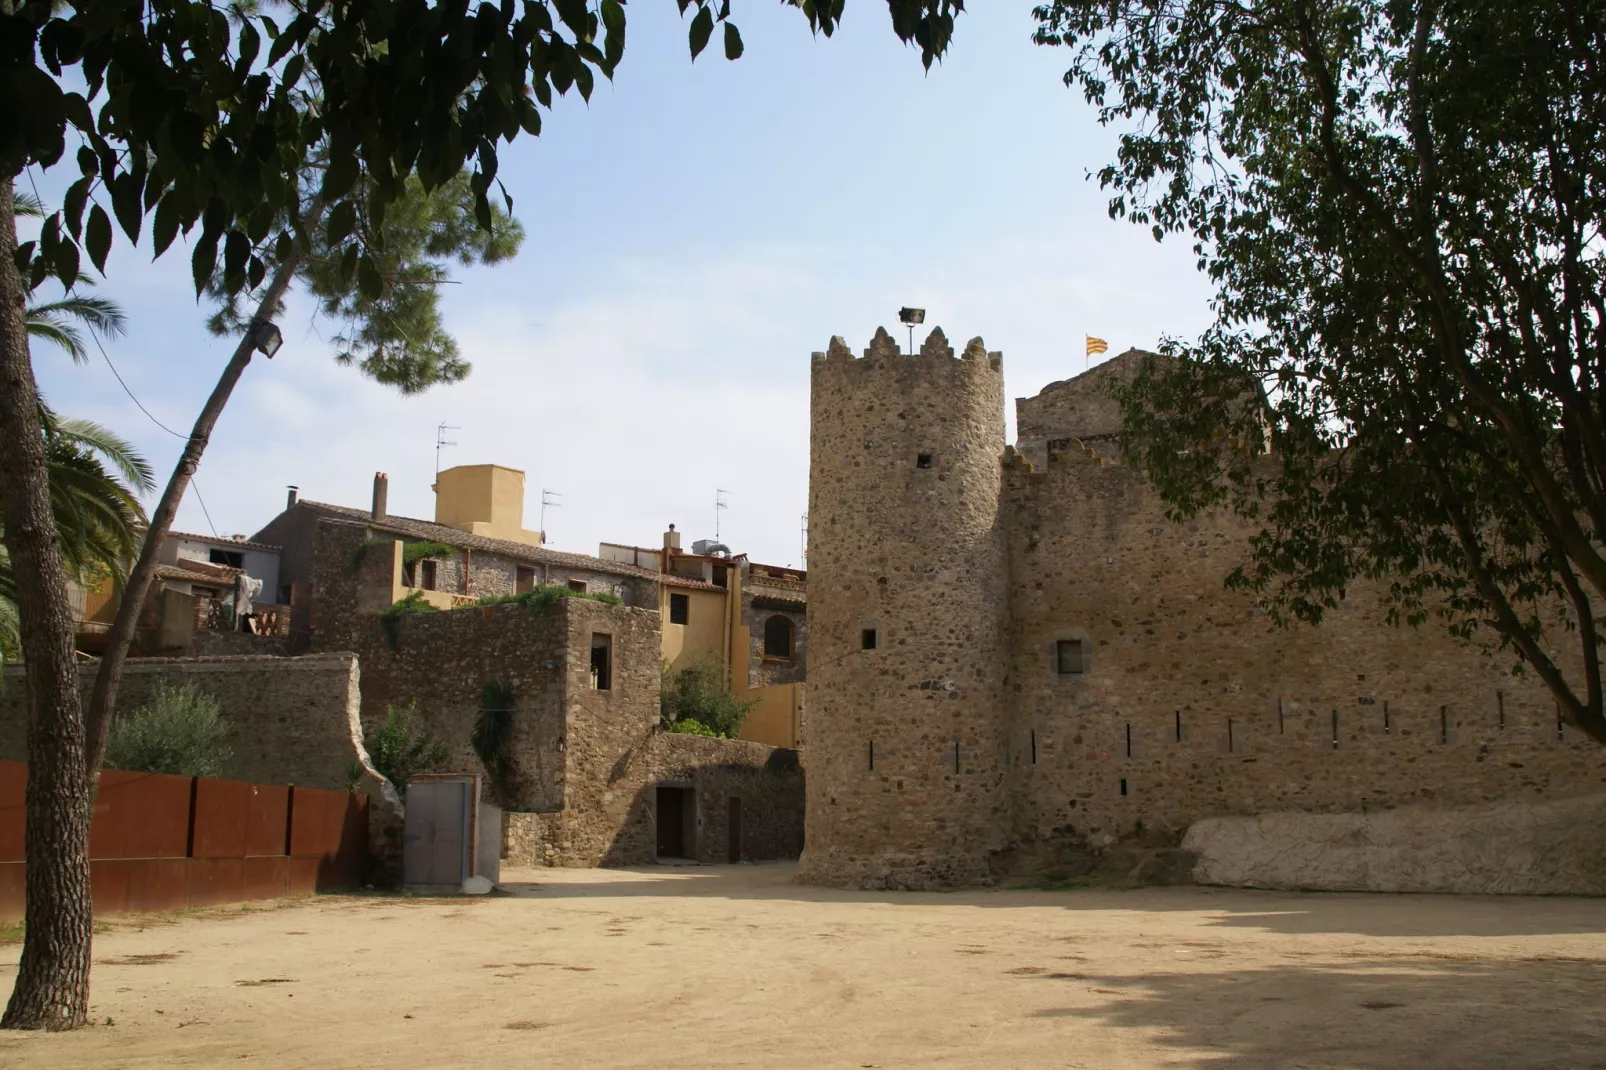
{"x":679,"y":608}
{"x":577,"y":586}
{"x":867,"y":639}
{"x":601,"y":661}
{"x":1068,"y":657}
{"x":524,"y":579}
{"x":923,"y":460}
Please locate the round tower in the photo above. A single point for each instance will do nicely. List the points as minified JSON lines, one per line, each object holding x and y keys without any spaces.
{"x":905,"y":730}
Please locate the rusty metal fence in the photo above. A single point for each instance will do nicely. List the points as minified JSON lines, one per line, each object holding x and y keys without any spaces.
{"x":162,"y":842}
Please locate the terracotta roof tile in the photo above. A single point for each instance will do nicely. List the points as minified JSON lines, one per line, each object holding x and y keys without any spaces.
{"x":424,"y":529}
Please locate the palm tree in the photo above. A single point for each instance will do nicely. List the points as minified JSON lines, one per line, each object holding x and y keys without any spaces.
{"x":95,"y":475}
{"x":54,"y":321}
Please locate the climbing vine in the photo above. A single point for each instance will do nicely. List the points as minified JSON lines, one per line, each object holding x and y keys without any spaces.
{"x":492,"y":738}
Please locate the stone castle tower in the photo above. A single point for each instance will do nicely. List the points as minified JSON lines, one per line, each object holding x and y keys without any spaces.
{"x":907,"y":747}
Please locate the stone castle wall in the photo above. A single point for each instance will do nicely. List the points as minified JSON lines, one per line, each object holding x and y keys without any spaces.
{"x":905,"y":745}
{"x":1189,"y":704}
{"x":1193,"y":704}
{"x":289,"y":718}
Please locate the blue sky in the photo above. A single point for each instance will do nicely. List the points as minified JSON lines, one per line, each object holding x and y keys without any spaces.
{"x":692,"y":235}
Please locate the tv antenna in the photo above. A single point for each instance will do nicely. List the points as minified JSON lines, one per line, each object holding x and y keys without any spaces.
{"x":719,"y":506}
{"x":804,"y":534}
{"x":548,"y":497}
{"x":441,"y":440}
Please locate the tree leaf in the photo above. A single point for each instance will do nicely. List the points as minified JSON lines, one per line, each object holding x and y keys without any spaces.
{"x":733,"y":42}
{"x":203,"y":259}
{"x":98,"y":238}
{"x":165,"y":227}
{"x":370,"y":283}
{"x":702,"y":27}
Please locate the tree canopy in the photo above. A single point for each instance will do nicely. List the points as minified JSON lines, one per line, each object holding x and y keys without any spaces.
{"x":1400,"y":203}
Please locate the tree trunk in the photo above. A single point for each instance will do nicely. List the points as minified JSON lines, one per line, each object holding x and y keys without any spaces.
{"x":52,"y":987}
{"x":110,"y":673}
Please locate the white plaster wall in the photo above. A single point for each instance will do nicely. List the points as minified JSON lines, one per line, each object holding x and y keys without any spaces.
{"x":1519,"y":848}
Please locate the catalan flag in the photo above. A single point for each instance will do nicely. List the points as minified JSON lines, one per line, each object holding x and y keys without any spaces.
{"x":1096,"y":345}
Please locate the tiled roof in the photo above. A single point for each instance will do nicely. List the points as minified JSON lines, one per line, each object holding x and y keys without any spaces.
{"x":185,"y":575}
{"x":214,"y":540}
{"x":518,"y":551}
{"x":670,"y":580}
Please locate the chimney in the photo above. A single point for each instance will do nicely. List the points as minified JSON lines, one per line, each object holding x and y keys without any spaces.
{"x":290,"y":499}
{"x":671,"y":539}
{"x":381,"y":492}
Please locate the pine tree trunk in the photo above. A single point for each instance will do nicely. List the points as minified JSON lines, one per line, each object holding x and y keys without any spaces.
{"x":132,"y":600}
{"x":52,"y":987}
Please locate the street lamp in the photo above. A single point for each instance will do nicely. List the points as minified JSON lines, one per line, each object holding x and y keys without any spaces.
{"x":909,"y":317}
{"x":266,"y":338}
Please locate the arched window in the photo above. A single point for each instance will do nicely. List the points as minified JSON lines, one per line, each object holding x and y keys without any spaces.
{"x":777,"y":638}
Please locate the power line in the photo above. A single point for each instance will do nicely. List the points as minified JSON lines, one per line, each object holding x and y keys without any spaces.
{"x":194,"y":485}
{"x":92,"y":334}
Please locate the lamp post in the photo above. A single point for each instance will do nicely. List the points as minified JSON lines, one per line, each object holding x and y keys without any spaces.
{"x":909,"y":317}
{"x":266,"y":338}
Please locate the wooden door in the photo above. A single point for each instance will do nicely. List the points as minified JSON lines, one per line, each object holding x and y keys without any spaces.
{"x":671,"y":823}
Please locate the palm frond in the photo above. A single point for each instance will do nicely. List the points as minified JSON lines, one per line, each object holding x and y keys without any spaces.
{"x":135,"y":469}
{"x":62,"y":334}
{"x":26,"y":205}
{"x":97,"y":313}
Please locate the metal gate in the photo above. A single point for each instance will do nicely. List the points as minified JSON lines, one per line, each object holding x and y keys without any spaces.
{"x":439,"y":830}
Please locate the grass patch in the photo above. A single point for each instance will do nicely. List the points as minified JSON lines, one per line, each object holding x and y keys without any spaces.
{"x":11,"y":932}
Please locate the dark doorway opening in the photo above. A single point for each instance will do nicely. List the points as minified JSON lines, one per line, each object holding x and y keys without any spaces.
{"x":677,"y":816}
{"x":734,"y":830}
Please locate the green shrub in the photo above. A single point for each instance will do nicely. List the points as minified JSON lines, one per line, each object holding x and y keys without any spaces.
{"x":390,"y":618}
{"x":398,"y":754}
{"x":688,"y":727}
{"x":180,"y":730}
{"x":545,"y":595}
{"x":417,"y":551}
{"x":699,"y":695}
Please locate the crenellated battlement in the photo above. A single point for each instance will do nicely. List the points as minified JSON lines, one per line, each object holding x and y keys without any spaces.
{"x":883,"y":347}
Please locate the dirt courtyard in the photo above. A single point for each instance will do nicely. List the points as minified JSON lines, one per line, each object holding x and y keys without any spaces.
{"x":736,"y":966}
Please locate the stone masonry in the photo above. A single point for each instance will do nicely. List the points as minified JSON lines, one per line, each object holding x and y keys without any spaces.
{"x":289,"y":718}
{"x":1057,"y":668}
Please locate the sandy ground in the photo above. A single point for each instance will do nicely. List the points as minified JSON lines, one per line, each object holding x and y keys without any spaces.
{"x":736,"y":966}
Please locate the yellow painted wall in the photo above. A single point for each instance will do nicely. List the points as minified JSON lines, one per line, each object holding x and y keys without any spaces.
{"x":484,"y":499}
{"x":703,"y":636}
{"x":776,"y":719}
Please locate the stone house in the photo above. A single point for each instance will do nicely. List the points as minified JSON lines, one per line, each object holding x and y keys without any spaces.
{"x":714,"y":607}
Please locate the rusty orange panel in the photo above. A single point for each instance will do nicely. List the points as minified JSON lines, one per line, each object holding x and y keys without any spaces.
{"x":303,"y":878}
{"x":158,"y":884}
{"x":267,"y":878}
{"x":13,"y":787}
{"x":108,"y":884}
{"x":140,"y":815}
{"x":13,"y":897}
{"x":315,"y":822}
{"x":351,"y":862}
{"x":222,"y":808}
{"x":215,"y":881}
{"x":267,"y":816}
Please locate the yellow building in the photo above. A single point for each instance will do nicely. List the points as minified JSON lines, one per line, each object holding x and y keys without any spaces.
{"x":747,"y":618}
{"x":484,"y":499}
